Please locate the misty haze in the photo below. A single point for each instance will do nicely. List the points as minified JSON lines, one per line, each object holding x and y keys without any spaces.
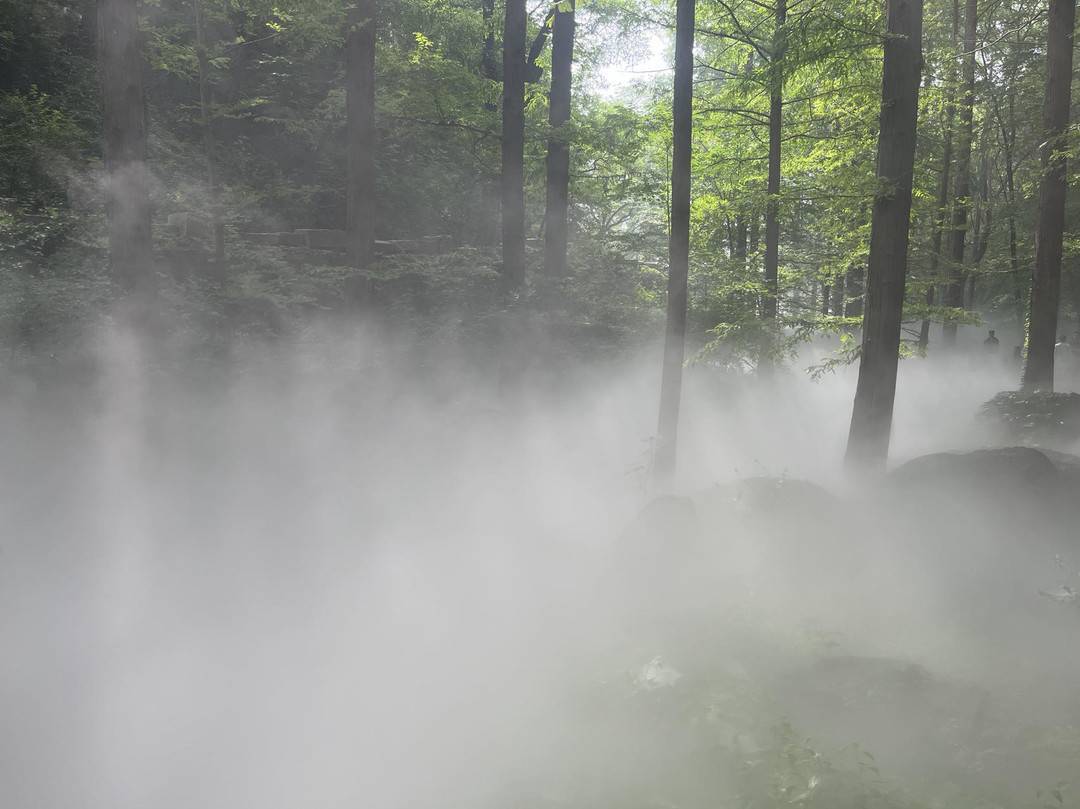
{"x":620,"y":403}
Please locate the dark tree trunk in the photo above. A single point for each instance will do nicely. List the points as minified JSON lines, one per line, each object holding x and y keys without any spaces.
{"x":558,"y":156}
{"x":954,"y":289}
{"x":772,"y":208}
{"x":208,"y":134}
{"x":871,"y":418}
{"x":361,"y":135}
{"x":853,"y":306}
{"x":513,"y":145}
{"x":838,"y":295}
{"x":983,"y":217}
{"x":1046,"y":278}
{"x":826,"y":292}
{"x":941,"y":213}
{"x":1008,"y":138}
{"x":127,"y":191}
{"x":679,"y":242}
{"x":741,"y":232}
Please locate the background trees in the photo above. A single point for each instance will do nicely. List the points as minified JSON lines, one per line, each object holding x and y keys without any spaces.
{"x":249,"y":136}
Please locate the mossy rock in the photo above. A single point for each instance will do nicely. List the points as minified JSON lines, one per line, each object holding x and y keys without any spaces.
{"x":1035,"y":418}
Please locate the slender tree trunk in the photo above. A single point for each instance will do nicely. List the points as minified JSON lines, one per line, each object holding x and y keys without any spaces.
{"x":208,"y":134}
{"x":983,"y":217}
{"x":558,"y":156}
{"x":679,"y":242}
{"x":853,"y":306}
{"x":361,"y":134}
{"x":1046,"y":279}
{"x":954,"y":289}
{"x":741,"y":233}
{"x":1008,"y":139}
{"x":772,"y":208}
{"x":941,"y":212}
{"x":838,"y":295}
{"x":826,"y":294}
{"x":871,"y":418}
{"x":127,"y":188}
{"x":513,"y":145}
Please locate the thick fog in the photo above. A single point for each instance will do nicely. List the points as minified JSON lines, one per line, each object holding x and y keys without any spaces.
{"x":349,"y":569}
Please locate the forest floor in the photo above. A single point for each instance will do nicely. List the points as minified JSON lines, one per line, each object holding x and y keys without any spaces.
{"x":340,"y":569}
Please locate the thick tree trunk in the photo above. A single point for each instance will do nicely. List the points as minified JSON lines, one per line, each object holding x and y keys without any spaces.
{"x":772,"y":208}
{"x":127,"y":188}
{"x":1046,"y":279}
{"x":941,"y":213}
{"x":208,"y":134}
{"x":954,"y":289}
{"x":871,"y":418}
{"x":558,"y":155}
{"x":513,"y":145}
{"x":679,"y":242}
{"x":361,"y":134}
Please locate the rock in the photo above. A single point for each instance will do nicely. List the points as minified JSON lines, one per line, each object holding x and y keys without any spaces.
{"x":1009,"y":469}
{"x":1035,"y":418}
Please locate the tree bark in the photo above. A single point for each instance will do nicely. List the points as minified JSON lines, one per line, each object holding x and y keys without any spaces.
{"x":871,"y":418}
{"x":838,"y":295}
{"x":853,"y":284}
{"x":954,"y":289}
{"x":558,"y":155}
{"x":946,"y":174}
{"x":1008,"y":138}
{"x":361,"y":133}
{"x":513,"y":145}
{"x":1046,"y":279}
{"x":127,"y":186}
{"x":678,"y":244}
{"x":208,"y":134}
{"x":772,"y":208}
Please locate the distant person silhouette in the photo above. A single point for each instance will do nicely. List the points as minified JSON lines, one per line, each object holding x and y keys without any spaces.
{"x":991,"y":343}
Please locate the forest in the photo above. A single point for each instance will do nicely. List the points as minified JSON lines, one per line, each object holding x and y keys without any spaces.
{"x":644,"y":404}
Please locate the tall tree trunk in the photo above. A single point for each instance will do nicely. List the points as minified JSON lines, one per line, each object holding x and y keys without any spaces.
{"x":983,"y":216}
{"x":361,"y":134}
{"x":853,"y":305}
{"x":127,"y":190}
{"x":513,"y":145}
{"x":838,"y":295}
{"x":208,"y":134}
{"x":941,"y":212}
{"x":1008,"y":139}
{"x":1046,"y":279}
{"x":558,"y":155}
{"x":954,"y":289}
{"x":871,"y":418}
{"x":679,"y":242}
{"x":772,"y":208}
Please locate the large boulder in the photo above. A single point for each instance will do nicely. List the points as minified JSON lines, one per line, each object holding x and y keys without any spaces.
{"x":1018,"y":470}
{"x":1038,"y":419}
